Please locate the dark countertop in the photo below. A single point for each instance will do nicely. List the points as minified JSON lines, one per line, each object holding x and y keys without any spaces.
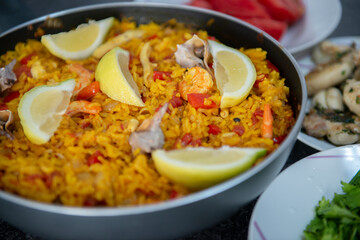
{"x":13,"y":12}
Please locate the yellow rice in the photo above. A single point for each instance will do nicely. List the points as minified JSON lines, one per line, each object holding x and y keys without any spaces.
{"x":57,"y":172}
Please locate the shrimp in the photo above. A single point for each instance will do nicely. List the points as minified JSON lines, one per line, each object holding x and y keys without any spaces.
{"x":195,"y":80}
{"x":267,"y":124}
{"x":83,"y":106}
{"x":85,"y":77}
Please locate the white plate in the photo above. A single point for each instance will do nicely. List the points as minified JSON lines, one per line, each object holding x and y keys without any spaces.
{"x":306,"y":65}
{"x":320,"y":20}
{"x":288,"y":204}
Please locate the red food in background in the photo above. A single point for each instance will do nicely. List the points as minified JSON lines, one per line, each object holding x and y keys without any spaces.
{"x":284,"y":10}
{"x":271,"y":16}
{"x":274,"y":28}
{"x":201,"y":3}
{"x":241,"y":8}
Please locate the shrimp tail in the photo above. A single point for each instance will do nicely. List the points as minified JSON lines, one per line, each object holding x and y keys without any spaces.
{"x":267,"y":124}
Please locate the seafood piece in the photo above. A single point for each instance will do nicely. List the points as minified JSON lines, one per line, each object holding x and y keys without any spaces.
{"x":330,"y":98}
{"x":83,"y":106}
{"x":6,"y":118}
{"x":319,"y":100}
{"x":7,"y":76}
{"x":342,"y":134}
{"x":352,"y":95}
{"x":346,"y":59}
{"x":195,"y":80}
{"x":149,"y":136}
{"x":267,"y":124}
{"x":339,"y":129}
{"x":194,"y":52}
{"x":315,"y":125}
{"x":146,"y":64}
{"x":117,"y":41}
{"x":327,"y":52}
{"x":85,"y":77}
{"x":357,"y":74}
{"x":328,"y":76}
{"x":334,"y":99}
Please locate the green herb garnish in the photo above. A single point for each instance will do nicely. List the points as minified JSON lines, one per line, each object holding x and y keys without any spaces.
{"x":338,"y":219}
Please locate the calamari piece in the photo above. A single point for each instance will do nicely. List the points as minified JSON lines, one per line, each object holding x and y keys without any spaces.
{"x":351,"y":95}
{"x":6,"y":118}
{"x":328,"y":76}
{"x":327,"y":52}
{"x":149,"y":136}
{"x":194,"y":52}
{"x":146,"y":64}
{"x":116,"y":41}
{"x":342,"y":133}
{"x":7,"y":76}
{"x":329,"y":98}
{"x":334,"y":99}
{"x":338,"y":67}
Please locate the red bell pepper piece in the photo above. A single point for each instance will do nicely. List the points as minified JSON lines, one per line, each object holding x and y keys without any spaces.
{"x":239,"y":130}
{"x":3,"y":106}
{"x":161,"y":75}
{"x":22,"y":69}
{"x":279,"y":139}
{"x":153,"y":37}
{"x":213,"y":129}
{"x":271,"y":66}
{"x":11,"y":96}
{"x":256,"y":84}
{"x":197,"y":100}
{"x":27,"y":58}
{"x":94,"y":158}
{"x":176,"y":101}
{"x":186,"y":139}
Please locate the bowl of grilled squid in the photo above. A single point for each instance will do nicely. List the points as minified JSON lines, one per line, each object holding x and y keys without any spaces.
{"x":332,"y":74}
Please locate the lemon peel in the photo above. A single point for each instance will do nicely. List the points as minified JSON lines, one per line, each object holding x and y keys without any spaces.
{"x":115,"y":78}
{"x":41,"y":109}
{"x":79,"y":43}
{"x":235,"y":74}
{"x":201,"y":167}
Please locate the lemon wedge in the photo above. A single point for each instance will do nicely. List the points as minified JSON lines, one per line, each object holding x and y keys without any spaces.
{"x":115,"y":78}
{"x":41,"y":109}
{"x":235,"y":74}
{"x":79,"y":43}
{"x":198,"y":168}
